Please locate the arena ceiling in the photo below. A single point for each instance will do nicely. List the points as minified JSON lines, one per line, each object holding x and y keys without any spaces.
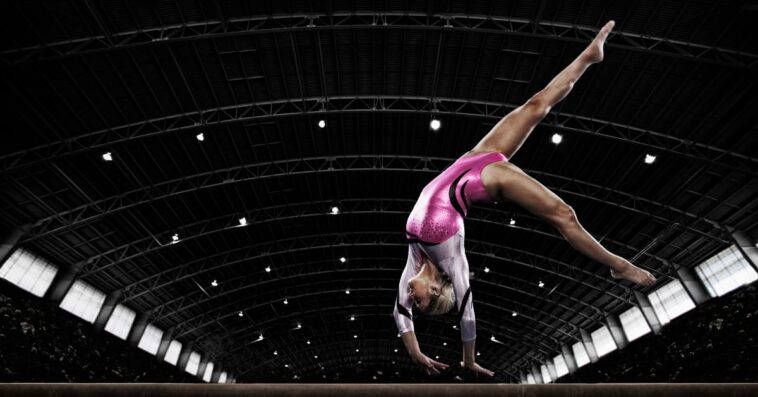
{"x":141,"y":80}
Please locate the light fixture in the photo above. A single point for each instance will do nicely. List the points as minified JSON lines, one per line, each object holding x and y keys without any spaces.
{"x":243,"y":221}
{"x":347,"y":292}
{"x":268,"y":269}
{"x":514,"y":314}
{"x":357,"y":350}
{"x":352,"y":318}
{"x":395,"y":350}
{"x":444,"y":343}
{"x":260,"y":337}
{"x":343,"y":259}
{"x":214,"y":283}
{"x":541,"y":284}
{"x":435,"y":124}
{"x":308,"y":342}
{"x":276,"y":353}
{"x":315,"y":356}
{"x":437,"y":357}
{"x":200,"y":137}
{"x":649,"y":159}
{"x":322,"y":123}
{"x":486,"y":270}
{"x":355,"y":336}
{"x":557,"y":138}
{"x":286,"y":302}
{"x":107,"y":156}
{"x":478,"y":354}
{"x":299,"y":326}
{"x":455,"y":327}
{"x":492,"y":338}
{"x":240,"y":314}
{"x":175,"y":237}
{"x":286,"y":365}
{"x":512,"y":222}
{"x":335,"y":210}
{"x":398,"y":335}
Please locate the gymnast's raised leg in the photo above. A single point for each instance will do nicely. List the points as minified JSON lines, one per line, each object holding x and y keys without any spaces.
{"x":505,"y":181}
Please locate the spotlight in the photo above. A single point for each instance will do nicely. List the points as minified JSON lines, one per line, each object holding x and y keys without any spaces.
{"x":260,"y":337}
{"x":358,"y":351}
{"x":276,"y":353}
{"x":214,"y":283}
{"x":243,"y":221}
{"x":347,"y":292}
{"x":200,"y":137}
{"x":512,"y":222}
{"x":486,"y":270}
{"x":343,"y":259}
{"x":240,"y":314}
{"x":444,"y":343}
{"x":435,"y":124}
{"x":286,"y":365}
{"x":352,"y":318}
{"x":175,"y":238}
{"x":268,"y":269}
{"x":107,"y":156}
{"x":514,"y":314}
{"x":355,"y":336}
{"x":308,"y":342}
{"x":395,"y":350}
{"x":315,"y":356}
{"x":478,"y":354}
{"x":285,"y":301}
{"x":437,"y":357}
{"x":649,"y":159}
{"x":335,"y":210}
{"x":557,"y":138}
{"x":322,"y":123}
{"x":541,"y":284}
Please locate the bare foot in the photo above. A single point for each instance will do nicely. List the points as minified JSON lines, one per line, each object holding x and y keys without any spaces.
{"x":634,"y":274}
{"x":594,"y":52}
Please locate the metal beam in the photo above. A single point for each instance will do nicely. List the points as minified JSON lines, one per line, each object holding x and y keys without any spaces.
{"x":191,"y":121}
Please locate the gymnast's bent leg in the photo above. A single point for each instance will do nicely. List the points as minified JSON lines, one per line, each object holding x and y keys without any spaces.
{"x":505,"y":181}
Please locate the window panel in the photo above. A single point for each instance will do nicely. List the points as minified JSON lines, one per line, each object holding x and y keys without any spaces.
{"x":83,"y":300}
{"x":580,"y":354}
{"x":120,"y":321}
{"x":530,"y":379}
{"x":208,"y":372}
{"x":151,"y":339}
{"x":725,"y":272}
{"x":29,"y":272}
{"x":634,"y":323}
{"x":193,"y":363}
{"x":172,"y":354}
{"x":670,"y":301}
{"x":560,"y":365}
{"x":603,"y":341}
{"x":222,"y":378}
{"x":545,"y":374}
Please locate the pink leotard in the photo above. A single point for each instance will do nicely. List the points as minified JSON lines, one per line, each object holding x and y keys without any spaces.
{"x":444,"y":202}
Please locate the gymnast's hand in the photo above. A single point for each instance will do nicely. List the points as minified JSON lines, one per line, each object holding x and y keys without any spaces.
{"x":430,"y":366}
{"x":477,"y":369}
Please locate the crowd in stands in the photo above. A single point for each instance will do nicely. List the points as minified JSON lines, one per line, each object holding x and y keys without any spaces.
{"x":715,"y":342}
{"x":40,"y":343}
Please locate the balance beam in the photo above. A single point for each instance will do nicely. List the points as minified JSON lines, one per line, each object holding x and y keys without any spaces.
{"x":374,"y":390}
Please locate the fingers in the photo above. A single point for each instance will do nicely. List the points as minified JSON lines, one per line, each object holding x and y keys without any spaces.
{"x":439,"y":364}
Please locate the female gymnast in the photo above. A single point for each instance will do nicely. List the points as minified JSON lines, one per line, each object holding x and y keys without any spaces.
{"x":436,"y":275}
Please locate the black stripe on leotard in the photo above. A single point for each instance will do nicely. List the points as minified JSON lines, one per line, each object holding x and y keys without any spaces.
{"x":453,"y":187}
{"x":463,"y":304}
{"x":463,"y":196}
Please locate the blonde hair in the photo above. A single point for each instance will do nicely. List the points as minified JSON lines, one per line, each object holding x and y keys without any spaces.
{"x":446,"y":300}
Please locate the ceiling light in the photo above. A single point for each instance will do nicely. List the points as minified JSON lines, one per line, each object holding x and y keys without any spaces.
{"x":299,"y":326}
{"x":260,"y":337}
{"x":285,"y":301}
{"x":398,"y":335}
{"x":308,"y":342}
{"x":514,"y":314}
{"x":214,"y":283}
{"x":478,"y":354}
{"x":355,"y":336}
{"x":512,"y":222}
{"x":175,"y":237}
{"x":240,"y":314}
{"x":492,"y":338}
{"x":649,"y":159}
{"x":455,"y":327}
{"x":357,"y":350}
{"x":286,"y":365}
{"x":347,"y":292}
{"x":541,"y":284}
{"x":395,"y":350}
{"x":315,"y":356}
{"x":557,"y":138}
{"x":486,"y":270}
{"x":352,"y":318}
{"x":335,"y":210}
{"x":200,"y":137}
{"x":243,"y":221}
{"x":107,"y":156}
{"x":275,"y":353}
{"x":322,"y":123}
{"x":343,"y":259}
{"x":435,"y":124}
{"x":268,"y":269}
{"x":444,"y":343}
{"x":437,"y":357}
